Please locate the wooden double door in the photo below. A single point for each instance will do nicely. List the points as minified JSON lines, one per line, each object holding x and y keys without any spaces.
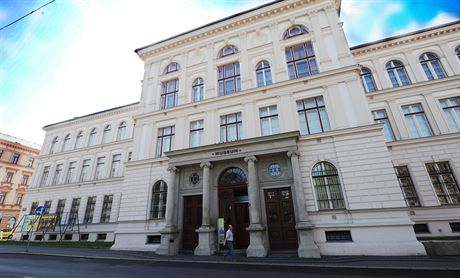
{"x":280,"y":219}
{"x":192,"y":219}
{"x":233,"y":207}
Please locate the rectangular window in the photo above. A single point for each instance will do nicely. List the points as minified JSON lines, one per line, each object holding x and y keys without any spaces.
{"x":455,"y":227}
{"x":169,"y":93}
{"x":165,"y":140}
{"x":60,"y":209}
{"x":33,"y":207}
{"x":101,"y":237}
{"x":84,"y":237}
{"x":106,"y":208}
{"x":9,"y":177}
{"x":47,"y":207}
{"x":444,"y":183}
{"x":196,"y":133}
{"x":380,"y":116}
{"x":25,"y":180}
{"x":15,"y":158}
{"x":228,"y":78}
{"x":52,"y":237}
{"x":73,"y":214}
{"x":421,"y":229}
{"x":115,"y":171}
{"x":46,"y":172}
{"x":70,"y":172}
{"x":335,"y":236}
{"x":269,"y":123}
{"x":407,"y":186}
{"x":312,"y":116}
{"x":84,"y":175}
{"x":153,"y":239}
{"x":2,"y":197}
{"x":231,"y":127}
{"x":100,"y":168}
{"x":416,"y":120}
{"x":57,"y":174}
{"x":301,"y":61}
{"x":89,"y":212}
{"x":30,"y":162}
{"x":19,"y":199}
{"x":451,"y":107}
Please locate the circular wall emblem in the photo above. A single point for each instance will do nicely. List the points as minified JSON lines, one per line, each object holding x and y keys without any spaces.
{"x":194,"y":178}
{"x":274,"y":170}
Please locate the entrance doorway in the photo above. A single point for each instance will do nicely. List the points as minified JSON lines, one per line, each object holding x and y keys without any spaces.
{"x":280,"y":219}
{"x":233,"y":204}
{"x":192,"y":220}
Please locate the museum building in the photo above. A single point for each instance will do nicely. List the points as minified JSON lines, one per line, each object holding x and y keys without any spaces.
{"x":268,"y":120}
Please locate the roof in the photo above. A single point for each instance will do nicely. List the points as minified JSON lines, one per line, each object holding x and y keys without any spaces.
{"x":92,"y":114}
{"x":338,"y":2}
{"x":404,"y":35}
{"x":20,"y":141}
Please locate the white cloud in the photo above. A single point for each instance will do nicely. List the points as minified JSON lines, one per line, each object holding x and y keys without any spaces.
{"x":441,"y":18}
{"x":97,"y":68}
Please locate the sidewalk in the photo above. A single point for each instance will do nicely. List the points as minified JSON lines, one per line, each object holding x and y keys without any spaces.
{"x":281,"y":260}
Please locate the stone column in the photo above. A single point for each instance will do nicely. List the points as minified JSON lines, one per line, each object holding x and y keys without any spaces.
{"x":307,"y":246}
{"x":257,"y":236}
{"x":169,"y":243}
{"x":206,"y":233}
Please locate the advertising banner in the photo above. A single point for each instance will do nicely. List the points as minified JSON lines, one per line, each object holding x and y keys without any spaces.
{"x":220,"y":230}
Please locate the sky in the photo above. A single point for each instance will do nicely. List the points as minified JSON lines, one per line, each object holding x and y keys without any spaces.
{"x":75,"y":57}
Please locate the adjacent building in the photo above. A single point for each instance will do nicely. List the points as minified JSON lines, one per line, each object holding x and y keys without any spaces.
{"x":17,"y":163}
{"x":270,"y":121}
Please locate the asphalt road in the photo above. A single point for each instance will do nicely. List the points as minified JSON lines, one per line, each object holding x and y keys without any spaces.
{"x":32,"y":266}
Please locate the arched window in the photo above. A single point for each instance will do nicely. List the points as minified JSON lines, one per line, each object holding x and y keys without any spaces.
{"x":457,"y":51}
{"x":79,"y":140}
{"x":92,"y":137}
{"x":263,"y":74}
{"x":294,"y":30}
{"x":172,"y":67}
{"x":397,"y":74}
{"x":367,"y":80}
{"x":431,"y":66}
{"x":121,"y":131}
{"x":54,"y":145}
{"x":232,"y":176}
{"x":327,"y":186}
{"x":227,"y":50}
{"x":106,"y":134}
{"x":158,"y":202}
{"x":198,"y":90}
{"x":66,"y":144}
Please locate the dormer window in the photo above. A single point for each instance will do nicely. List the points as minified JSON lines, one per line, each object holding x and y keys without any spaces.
{"x":228,"y":50}
{"x":172,"y":68}
{"x":295,"y":30}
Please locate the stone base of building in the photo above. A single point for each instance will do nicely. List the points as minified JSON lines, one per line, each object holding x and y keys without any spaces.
{"x":258,"y":246}
{"x":307,"y":247}
{"x":206,"y":241}
{"x":169,"y":242}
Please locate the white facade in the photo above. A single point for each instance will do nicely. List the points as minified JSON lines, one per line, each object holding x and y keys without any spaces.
{"x":298,"y":163}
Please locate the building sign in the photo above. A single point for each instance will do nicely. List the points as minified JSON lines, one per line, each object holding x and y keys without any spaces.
{"x":47,"y":222}
{"x":226,"y":152}
{"x":220,"y":230}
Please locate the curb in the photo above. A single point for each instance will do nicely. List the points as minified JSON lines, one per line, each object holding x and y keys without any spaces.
{"x":254,"y":264}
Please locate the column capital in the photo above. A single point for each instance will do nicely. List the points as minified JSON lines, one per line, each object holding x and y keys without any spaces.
{"x":293,"y":153}
{"x":206,"y":164}
{"x":250,"y":158}
{"x":173,"y":169}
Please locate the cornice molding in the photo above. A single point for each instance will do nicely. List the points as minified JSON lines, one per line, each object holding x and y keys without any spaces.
{"x":87,"y":118}
{"x":405,"y":40}
{"x":220,"y":27}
